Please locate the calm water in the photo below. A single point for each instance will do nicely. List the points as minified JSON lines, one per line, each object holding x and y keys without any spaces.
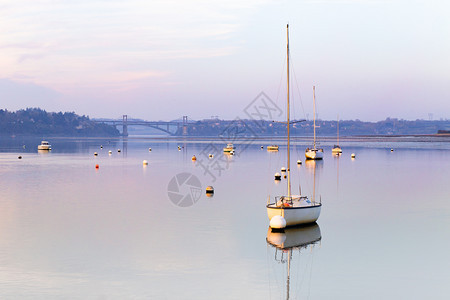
{"x":68,"y":230}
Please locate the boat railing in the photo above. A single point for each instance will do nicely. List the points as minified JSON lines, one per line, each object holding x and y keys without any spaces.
{"x":315,"y":202}
{"x":288,"y":200}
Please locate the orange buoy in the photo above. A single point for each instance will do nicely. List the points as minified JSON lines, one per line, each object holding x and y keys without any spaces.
{"x":194,"y":158}
{"x":97,"y":166}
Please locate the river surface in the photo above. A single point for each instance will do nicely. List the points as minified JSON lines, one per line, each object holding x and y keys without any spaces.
{"x":125,"y":230}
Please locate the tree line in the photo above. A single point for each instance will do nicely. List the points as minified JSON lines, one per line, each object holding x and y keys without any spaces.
{"x":36,"y":121}
{"x":390,"y":126}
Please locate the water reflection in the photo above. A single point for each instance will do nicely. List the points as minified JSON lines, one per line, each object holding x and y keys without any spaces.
{"x":125,"y":147}
{"x":336,"y":158}
{"x":292,"y":242}
{"x":108,"y":219}
{"x":43,"y":152}
{"x":294,"y":237}
{"x":312,"y":165}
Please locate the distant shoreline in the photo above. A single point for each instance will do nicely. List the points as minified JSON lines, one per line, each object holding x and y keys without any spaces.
{"x":282,"y":138}
{"x":252,"y":138}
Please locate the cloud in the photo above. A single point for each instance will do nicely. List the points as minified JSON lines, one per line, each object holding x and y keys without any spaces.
{"x":51,"y":40}
{"x":162,"y":51}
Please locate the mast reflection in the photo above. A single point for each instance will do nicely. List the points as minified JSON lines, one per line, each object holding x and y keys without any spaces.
{"x":292,"y":240}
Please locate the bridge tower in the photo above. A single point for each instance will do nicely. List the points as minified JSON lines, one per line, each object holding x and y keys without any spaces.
{"x":125,"y":125}
{"x":185,"y":121}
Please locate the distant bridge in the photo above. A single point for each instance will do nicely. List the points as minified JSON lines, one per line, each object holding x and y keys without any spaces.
{"x":172,"y":128}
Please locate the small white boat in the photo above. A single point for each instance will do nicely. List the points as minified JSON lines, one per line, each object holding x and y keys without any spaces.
{"x":291,"y":209}
{"x":272,"y":148}
{"x":336,"y":149}
{"x":314,"y":153}
{"x":229,"y":148}
{"x":45,"y":146}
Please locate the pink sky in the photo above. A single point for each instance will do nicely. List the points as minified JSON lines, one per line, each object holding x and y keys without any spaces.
{"x":159,"y":60}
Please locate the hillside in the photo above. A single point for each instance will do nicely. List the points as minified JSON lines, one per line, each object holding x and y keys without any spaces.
{"x":389,"y":126}
{"x":35,"y":121}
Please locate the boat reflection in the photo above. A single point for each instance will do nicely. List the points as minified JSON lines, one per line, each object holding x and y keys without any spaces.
{"x":43,"y":152}
{"x":336,"y":159}
{"x":294,"y":237}
{"x":313,"y":164}
{"x":311,"y":167}
{"x":287,"y":242}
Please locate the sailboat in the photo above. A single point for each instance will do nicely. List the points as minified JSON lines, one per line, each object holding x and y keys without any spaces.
{"x":314,"y":153}
{"x":337,"y":149}
{"x":291,"y":210}
{"x":229,"y":148}
{"x":294,"y":238}
{"x":273,"y":147}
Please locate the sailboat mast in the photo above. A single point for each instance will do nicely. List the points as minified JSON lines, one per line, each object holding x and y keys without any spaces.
{"x":288,"y":119}
{"x":314,"y":114}
{"x":338,"y":130}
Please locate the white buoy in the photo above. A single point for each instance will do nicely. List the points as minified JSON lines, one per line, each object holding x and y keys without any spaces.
{"x":277,"y":222}
{"x":118,"y":150}
{"x":262,"y":147}
{"x":95,"y":153}
{"x":232,"y":152}
{"x":145,"y":162}
{"x":110,"y":152}
{"x":101,"y":146}
{"x":277,"y":176}
{"x":283,"y":169}
{"x":392,"y":150}
{"x":299,"y":162}
{"x":149,"y":149}
{"x":353,"y":155}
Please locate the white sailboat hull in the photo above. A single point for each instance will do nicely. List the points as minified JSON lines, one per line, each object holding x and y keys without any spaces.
{"x":314,"y":154}
{"x":295,"y":215}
